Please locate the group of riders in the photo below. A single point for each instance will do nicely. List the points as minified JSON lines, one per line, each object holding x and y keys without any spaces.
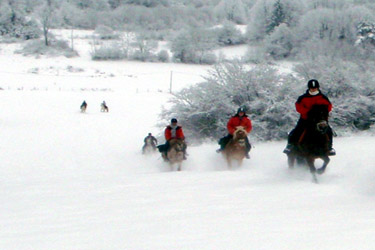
{"x":304,"y":104}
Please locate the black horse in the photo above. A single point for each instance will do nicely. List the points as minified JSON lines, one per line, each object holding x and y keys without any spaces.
{"x":314,"y":141}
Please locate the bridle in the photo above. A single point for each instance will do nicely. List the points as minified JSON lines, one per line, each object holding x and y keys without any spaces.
{"x":322,"y":126}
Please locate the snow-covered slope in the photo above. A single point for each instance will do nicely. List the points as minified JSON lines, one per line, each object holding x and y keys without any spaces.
{"x":78,"y":181}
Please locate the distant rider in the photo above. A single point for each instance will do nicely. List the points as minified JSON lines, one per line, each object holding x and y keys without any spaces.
{"x":151,"y":139}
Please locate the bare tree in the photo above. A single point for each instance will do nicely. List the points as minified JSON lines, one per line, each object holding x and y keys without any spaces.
{"x":46,"y":16}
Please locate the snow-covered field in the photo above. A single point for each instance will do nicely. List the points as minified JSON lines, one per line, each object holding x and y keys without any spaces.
{"x":78,"y":181}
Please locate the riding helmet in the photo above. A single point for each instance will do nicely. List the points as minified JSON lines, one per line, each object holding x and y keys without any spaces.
{"x":313,"y":84}
{"x":241,"y":109}
{"x":174,"y":120}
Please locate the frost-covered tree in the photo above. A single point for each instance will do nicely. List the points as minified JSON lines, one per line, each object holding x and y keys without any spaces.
{"x":14,"y":21}
{"x":46,"y":12}
{"x":279,"y":43}
{"x":144,"y":48}
{"x":268,"y":14}
{"x":366,"y":34}
{"x":232,"y":10}
{"x":193,"y":45}
{"x":278,"y":16}
{"x":228,"y":34}
{"x":260,"y":16}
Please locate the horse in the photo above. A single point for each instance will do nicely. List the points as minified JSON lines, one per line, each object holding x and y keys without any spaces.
{"x":175,"y":153}
{"x":314,"y":142}
{"x":83,"y":107}
{"x":103,"y":108}
{"x":236,"y":147}
{"x":149,"y":147}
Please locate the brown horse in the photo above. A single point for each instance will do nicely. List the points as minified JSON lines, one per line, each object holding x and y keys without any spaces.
{"x":175,"y":153}
{"x":314,"y":142}
{"x":236,"y":147}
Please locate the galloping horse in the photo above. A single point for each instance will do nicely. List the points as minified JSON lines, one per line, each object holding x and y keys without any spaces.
{"x":149,"y":147}
{"x":236,"y":147}
{"x":175,"y":153}
{"x":314,"y":141}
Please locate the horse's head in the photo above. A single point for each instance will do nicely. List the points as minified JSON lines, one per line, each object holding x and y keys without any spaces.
{"x":318,"y":117}
{"x":177,"y":144}
{"x":240,"y":133}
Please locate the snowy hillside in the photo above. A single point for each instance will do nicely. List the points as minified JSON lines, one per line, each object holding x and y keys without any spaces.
{"x":78,"y":181}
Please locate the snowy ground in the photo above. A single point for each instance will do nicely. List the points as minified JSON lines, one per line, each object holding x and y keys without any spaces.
{"x":78,"y":181}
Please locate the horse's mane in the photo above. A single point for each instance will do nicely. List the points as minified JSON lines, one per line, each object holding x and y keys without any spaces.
{"x":318,"y":112}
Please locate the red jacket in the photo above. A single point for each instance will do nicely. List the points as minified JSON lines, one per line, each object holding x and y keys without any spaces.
{"x":236,"y":121}
{"x":306,"y":101}
{"x":168,"y":133}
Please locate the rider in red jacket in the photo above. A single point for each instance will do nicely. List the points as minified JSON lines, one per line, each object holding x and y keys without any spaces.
{"x":240,"y":119}
{"x":304,"y":103}
{"x":172,"y":131}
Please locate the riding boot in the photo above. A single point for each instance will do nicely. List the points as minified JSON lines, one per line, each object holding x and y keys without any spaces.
{"x":332,"y":152}
{"x":294,"y":136}
{"x":164,"y":156}
{"x":289,"y":146}
{"x":223,"y":142}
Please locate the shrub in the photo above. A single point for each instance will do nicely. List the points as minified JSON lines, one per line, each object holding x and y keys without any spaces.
{"x":163,"y":56}
{"x":208,"y":58}
{"x":105,"y":33}
{"x":56,"y":48}
{"x":108,"y":52}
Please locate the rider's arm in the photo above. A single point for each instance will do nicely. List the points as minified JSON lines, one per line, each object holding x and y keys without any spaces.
{"x":167,"y":134}
{"x":230,"y":126}
{"x":249,"y":126}
{"x":180,"y":134}
{"x":301,"y":108}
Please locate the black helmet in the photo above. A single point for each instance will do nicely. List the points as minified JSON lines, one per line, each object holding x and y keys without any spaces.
{"x":313,"y":84}
{"x":174,"y":120}
{"x":241,"y":109}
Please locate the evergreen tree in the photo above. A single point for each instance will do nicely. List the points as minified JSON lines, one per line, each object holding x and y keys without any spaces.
{"x":277,"y":17}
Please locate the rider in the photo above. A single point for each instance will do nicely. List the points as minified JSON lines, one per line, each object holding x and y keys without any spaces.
{"x":303,"y":106}
{"x":239,"y":119}
{"x":150,"y":138}
{"x":84,"y":104}
{"x":172,"y":131}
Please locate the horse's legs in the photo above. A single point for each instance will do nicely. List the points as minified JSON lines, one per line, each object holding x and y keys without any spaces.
{"x":310,"y":163}
{"x":291,"y":160}
{"x":323,"y":168}
{"x":229,"y":162}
